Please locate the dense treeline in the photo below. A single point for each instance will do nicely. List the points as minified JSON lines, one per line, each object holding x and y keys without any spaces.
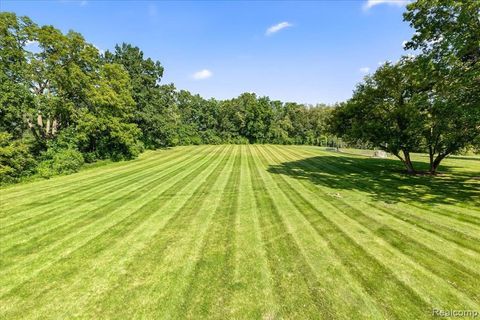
{"x":64,"y":103}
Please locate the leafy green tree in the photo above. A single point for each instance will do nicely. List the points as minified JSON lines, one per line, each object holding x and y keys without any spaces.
{"x":105,"y":127}
{"x":60,"y":73}
{"x":384,"y":112}
{"x":448,"y":36}
{"x":152,"y":113}
{"x":15,"y":98}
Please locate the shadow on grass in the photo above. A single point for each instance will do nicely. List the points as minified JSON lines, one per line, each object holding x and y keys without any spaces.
{"x":385,"y":180}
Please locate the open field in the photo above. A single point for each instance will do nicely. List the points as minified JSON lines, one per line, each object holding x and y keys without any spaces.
{"x":245,"y":232}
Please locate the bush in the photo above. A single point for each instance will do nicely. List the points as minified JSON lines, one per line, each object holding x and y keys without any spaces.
{"x":60,"y":162}
{"x":239,"y":140}
{"x":209,"y":137}
{"x":16,"y":160}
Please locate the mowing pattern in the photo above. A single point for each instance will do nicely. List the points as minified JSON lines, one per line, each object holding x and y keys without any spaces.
{"x":245,"y":232}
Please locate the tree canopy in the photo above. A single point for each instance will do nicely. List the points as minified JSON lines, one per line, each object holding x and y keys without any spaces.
{"x":428,"y":102}
{"x":66,"y":100}
{"x":63,"y":103}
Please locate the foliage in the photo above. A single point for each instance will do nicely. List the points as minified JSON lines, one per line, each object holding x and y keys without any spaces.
{"x":66,"y":95}
{"x":448,"y":35}
{"x":16,"y":160}
{"x":62,"y":161}
{"x":384,"y":112}
{"x":429,"y":102}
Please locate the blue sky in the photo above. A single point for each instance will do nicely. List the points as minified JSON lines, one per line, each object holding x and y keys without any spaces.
{"x":315,"y":51}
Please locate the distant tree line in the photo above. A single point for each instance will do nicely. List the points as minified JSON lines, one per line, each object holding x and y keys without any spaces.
{"x":63,"y":103}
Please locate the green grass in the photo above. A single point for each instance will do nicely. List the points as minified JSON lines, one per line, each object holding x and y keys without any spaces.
{"x":243,"y":232}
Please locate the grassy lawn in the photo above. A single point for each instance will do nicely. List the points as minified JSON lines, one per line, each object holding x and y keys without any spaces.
{"x":243,"y":232}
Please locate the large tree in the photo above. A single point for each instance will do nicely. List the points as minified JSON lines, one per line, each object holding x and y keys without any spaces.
{"x":145,"y":75}
{"x":429,"y":102}
{"x":383,"y":111}
{"x":448,"y":36}
{"x":15,"y":99}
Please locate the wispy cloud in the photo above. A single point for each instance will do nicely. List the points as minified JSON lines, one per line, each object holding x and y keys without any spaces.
{"x":279,"y":26}
{"x":372,"y":3}
{"x":202,"y":74}
{"x":364,"y":69}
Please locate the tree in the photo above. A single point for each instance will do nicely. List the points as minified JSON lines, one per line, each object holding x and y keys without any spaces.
{"x":145,"y":75}
{"x":63,"y":103}
{"x":448,"y":35}
{"x":105,"y":127}
{"x":383,"y":111}
{"x":430,"y":102}
{"x":15,"y":98}
{"x":60,"y":73}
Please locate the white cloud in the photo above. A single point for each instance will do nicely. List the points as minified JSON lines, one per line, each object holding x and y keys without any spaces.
{"x":279,"y":26}
{"x":202,"y":74}
{"x":372,"y":3}
{"x":364,"y":69}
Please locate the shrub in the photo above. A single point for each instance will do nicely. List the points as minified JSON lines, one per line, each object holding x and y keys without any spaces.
{"x":15,"y":159}
{"x":60,"y":162}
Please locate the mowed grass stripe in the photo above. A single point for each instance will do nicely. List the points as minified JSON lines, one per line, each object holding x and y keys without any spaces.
{"x":42,"y":199}
{"x":347,"y":297}
{"x":462,"y":218}
{"x":443,"y":232}
{"x":461,"y":171}
{"x":73,"y":216}
{"x":173,"y":242}
{"x":380,"y":283}
{"x":210,"y":284}
{"x":193,"y":250}
{"x":91,"y":246}
{"x":140,"y":238}
{"x":466,"y":214}
{"x":297,"y":290}
{"x":425,"y":257}
{"x":253,"y":297}
{"x":66,"y":242}
{"x":237,"y":232}
{"x":83,"y":200}
{"x":16,"y":193}
{"x":79,"y":199}
{"x":447,"y":230}
{"x":100,"y":214}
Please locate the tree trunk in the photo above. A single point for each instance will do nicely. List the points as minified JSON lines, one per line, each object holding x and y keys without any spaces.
{"x":435,"y":163}
{"x":408,"y":162}
{"x":431,"y":155}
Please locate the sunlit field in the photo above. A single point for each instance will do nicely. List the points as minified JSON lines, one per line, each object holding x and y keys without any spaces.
{"x":264,"y":232}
